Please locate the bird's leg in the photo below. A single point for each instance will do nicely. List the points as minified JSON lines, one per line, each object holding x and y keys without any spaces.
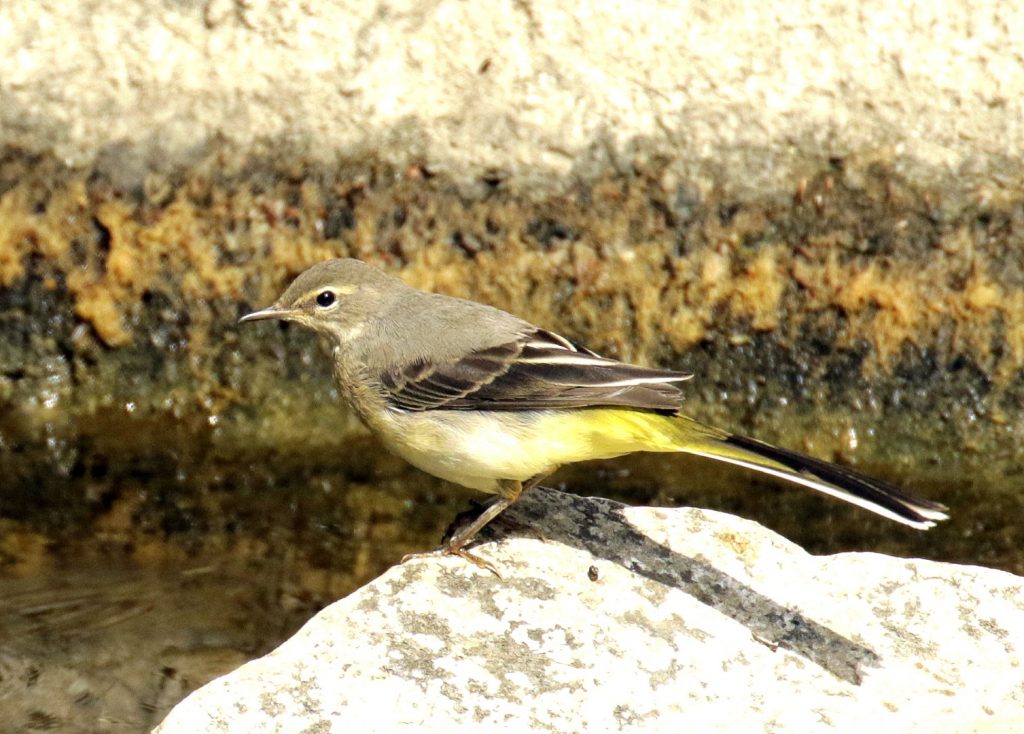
{"x":512,"y":490}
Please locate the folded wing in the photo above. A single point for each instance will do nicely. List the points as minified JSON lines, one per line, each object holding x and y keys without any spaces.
{"x":539,"y":371}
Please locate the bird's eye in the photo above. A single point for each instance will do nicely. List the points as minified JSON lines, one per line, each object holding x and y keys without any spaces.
{"x":325,"y":298}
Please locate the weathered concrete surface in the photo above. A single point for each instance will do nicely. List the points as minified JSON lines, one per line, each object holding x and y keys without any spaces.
{"x":633,"y":619}
{"x":749,"y":94}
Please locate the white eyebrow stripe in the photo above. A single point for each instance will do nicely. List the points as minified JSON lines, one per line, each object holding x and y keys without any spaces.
{"x":340,"y":290}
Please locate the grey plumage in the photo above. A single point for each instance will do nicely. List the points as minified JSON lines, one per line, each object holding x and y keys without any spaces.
{"x":480,"y":397}
{"x":476,"y":357}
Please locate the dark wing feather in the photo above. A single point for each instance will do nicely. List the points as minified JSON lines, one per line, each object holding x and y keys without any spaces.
{"x":539,"y":371}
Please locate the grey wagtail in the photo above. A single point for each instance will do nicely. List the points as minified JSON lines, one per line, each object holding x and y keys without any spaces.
{"x":479,"y":397}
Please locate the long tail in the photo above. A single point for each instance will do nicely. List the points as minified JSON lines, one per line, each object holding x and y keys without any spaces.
{"x":880,"y":497}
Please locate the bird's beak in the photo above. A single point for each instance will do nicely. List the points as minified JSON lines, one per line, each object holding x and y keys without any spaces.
{"x":271,"y":312}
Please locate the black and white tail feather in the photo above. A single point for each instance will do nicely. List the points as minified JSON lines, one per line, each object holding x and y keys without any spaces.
{"x":544,"y":371}
{"x":838,"y":481}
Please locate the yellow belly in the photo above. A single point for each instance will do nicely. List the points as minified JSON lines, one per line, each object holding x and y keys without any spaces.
{"x":478,"y":448}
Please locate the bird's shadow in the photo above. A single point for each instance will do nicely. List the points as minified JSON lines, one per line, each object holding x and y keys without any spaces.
{"x":600,"y":527}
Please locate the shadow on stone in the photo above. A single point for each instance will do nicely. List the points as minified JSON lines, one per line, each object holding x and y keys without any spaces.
{"x":600,"y":527}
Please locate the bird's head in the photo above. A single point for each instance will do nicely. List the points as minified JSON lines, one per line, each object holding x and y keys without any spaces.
{"x":335,"y":298}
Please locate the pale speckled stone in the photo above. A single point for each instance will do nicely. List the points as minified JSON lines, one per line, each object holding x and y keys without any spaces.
{"x":749,"y":92}
{"x":696,"y":621}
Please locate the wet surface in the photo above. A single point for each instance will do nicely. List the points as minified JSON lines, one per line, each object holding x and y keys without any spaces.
{"x":109,"y":615}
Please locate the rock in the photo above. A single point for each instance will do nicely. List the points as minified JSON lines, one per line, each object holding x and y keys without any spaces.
{"x":610,"y":618}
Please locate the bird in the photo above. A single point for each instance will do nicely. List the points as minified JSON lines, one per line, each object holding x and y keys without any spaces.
{"x":482,"y":398}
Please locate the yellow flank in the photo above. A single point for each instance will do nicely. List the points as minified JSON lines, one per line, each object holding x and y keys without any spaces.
{"x":482,"y":447}
{"x":606,"y":432}
{"x":478,"y":449}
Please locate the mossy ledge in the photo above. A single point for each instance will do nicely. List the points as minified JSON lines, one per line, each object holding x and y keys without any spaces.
{"x":856,"y":319}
